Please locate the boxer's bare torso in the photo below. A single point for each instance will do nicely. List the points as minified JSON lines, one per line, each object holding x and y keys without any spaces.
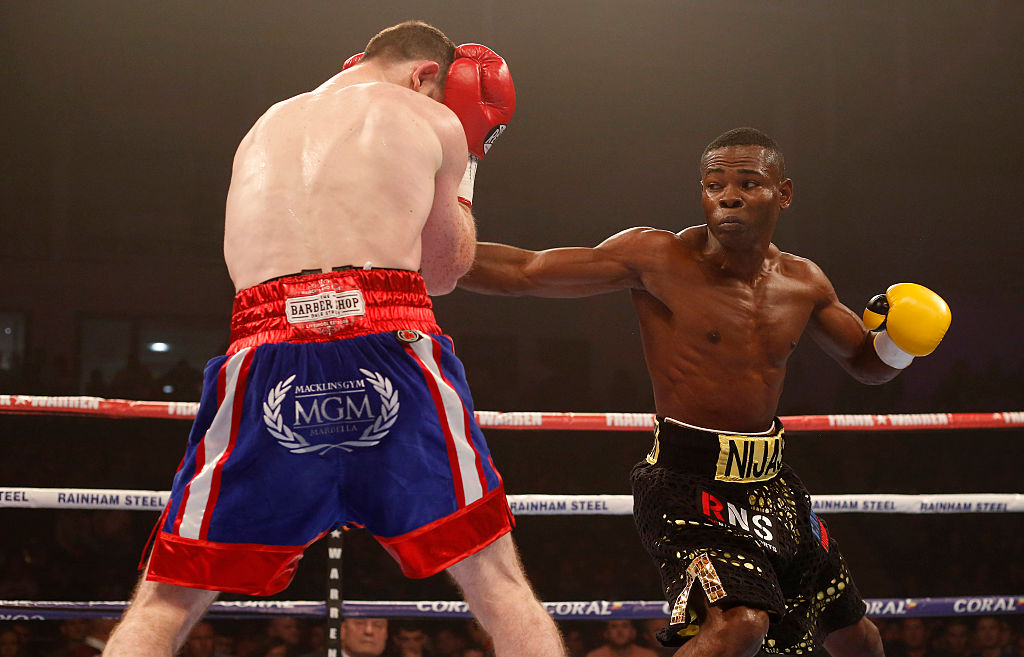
{"x":720,"y":307}
{"x":716,"y":346}
{"x":357,"y":171}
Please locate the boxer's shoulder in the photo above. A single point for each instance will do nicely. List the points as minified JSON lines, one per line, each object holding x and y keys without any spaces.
{"x":642,"y":246}
{"x":397,"y":101}
{"x":794,"y":266}
{"x":645,"y":236}
{"x":803,"y":273}
{"x":364,"y":93}
{"x":693,"y":236}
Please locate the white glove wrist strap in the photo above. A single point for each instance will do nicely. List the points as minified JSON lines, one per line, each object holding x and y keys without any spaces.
{"x":889,"y":353}
{"x":468,"y":178}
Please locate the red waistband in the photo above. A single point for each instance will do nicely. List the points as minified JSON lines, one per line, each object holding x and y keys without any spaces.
{"x":330,"y":306}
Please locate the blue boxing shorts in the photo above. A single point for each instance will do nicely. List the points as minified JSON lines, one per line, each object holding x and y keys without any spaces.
{"x":339,"y":403}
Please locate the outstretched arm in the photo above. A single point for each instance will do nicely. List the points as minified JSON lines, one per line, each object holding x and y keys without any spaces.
{"x":615,"y":264}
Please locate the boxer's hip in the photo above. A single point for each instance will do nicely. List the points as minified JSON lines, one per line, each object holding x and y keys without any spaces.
{"x":721,"y":456}
{"x":327,"y":306}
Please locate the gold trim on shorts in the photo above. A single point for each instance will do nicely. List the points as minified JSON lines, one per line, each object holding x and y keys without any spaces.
{"x":744,"y":459}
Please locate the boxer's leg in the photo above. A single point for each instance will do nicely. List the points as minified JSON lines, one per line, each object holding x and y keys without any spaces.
{"x":733,"y":632}
{"x":494,"y":586}
{"x":158,"y":620}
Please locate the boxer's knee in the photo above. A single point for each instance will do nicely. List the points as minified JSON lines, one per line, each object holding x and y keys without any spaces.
{"x":497,"y":565}
{"x":736,"y":631}
{"x":493,"y":582}
{"x":158,"y":619}
{"x":861,"y":639}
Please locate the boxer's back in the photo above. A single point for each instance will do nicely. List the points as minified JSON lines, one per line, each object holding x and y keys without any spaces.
{"x":343,"y":175}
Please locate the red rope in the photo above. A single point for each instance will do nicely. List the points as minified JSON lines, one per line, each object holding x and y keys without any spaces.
{"x":122,"y":408}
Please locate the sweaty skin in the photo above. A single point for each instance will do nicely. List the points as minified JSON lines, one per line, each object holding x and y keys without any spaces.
{"x":720,"y":307}
{"x":363,"y":169}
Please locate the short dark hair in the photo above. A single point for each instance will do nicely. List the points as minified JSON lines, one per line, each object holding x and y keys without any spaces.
{"x":412,"y":40}
{"x":748,"y":137}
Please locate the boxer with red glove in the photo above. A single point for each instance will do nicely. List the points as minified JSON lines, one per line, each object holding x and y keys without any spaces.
{"x":479,"y":90}
{"x":341,"y":221}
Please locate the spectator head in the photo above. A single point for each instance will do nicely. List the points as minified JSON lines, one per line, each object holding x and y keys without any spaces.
{"x":317,"y":638}
{"x":889,"y":629}
{"x":410,"y":640}
{"x":915,"y":633}
{"x":10,"y":645}
{"x":986,"y":633}
{"x":223,"y":644}
{"x":364,"y":637}
{"x":24,"y":632}
{"x":956,"y":637}
{"x":200,"y":641}
{"x":276,"y":648}
{"x":1005,"y":634}
{"x":619,"y":633}
{"x":284,"y":628}
{"x":575,"y":642}
{"x":448,"y":642}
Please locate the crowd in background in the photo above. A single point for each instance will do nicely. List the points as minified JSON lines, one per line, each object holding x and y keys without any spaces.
{"x":89,"y":555}
{"x":982,"y":636}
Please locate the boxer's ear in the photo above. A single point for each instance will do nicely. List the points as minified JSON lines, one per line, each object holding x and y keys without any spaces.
{"x":424,"y":73}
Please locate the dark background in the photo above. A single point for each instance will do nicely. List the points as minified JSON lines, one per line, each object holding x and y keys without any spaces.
{"x":900,"y":122}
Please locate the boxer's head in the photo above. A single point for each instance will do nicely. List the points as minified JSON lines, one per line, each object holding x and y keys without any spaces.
{"x":743,"y":187}
{"x":418,"y":43}
{"x":749,"y":137}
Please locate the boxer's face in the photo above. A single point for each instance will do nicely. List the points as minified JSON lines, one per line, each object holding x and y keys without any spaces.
{"x":742,"y":193}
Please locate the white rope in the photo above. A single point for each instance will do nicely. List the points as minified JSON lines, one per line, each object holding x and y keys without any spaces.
{"x":542,"y":505}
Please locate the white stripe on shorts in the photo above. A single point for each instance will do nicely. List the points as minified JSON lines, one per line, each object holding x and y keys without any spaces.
{"x":455,"y":416}
{"x":214,"y":444}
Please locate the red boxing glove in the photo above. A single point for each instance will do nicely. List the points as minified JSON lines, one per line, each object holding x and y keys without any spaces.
{"x":479,"y":90}
{"x":352,"y":61}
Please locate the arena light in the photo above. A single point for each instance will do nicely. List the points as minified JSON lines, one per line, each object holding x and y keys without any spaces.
{"x":159,"y":347}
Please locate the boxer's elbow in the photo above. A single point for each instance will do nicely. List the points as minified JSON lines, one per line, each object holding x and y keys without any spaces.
{"x":443,"y":278}
{"x":870,"y":371}
{"x":437,"y":288}
{"x":442,"y":273}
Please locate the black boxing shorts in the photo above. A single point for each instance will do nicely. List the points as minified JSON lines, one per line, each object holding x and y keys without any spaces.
{"x":726,"y":519}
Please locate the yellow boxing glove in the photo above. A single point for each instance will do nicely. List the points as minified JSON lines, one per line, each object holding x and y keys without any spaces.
{"x":909,"y":320}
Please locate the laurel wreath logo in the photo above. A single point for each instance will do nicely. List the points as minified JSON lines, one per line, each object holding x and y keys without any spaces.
{"x":294,"y":441}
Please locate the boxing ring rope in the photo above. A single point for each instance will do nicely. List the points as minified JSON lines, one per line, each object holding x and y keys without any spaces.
{"x":439,"y":609}
{"x":533,"y":504}
{"x":528,"y":420}
{"x":538,"y":505}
